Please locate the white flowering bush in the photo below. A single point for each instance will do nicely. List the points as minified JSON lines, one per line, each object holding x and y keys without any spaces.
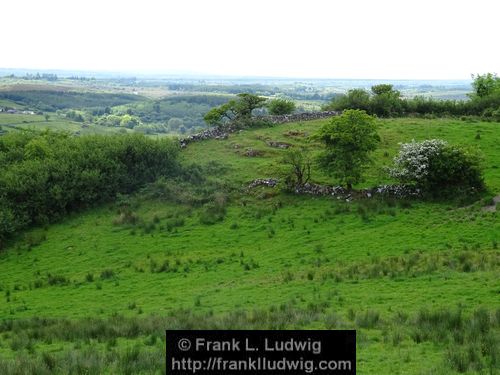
{"x":437,"y":167}
{"x":412,"y":162}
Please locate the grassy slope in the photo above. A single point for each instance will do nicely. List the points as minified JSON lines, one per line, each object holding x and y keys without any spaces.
{"x":307,"y":250}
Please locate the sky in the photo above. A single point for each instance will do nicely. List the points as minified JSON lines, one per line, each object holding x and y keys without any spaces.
{"x":378,"y":39}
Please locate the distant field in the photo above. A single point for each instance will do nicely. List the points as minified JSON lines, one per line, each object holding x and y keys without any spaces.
{"x":9,"y":104}
{"x":400,"y":272}
{"x":14,"y":122}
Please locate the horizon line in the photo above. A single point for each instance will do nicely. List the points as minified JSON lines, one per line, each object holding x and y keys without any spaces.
{"x":192,"y":74}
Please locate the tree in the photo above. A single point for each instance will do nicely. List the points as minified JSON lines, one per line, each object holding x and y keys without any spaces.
{"x":485,"y":85}
{"x":129,"y":122}
{"x":239,"y":109}
{"x":217,"y":116}
{"x":47,"y":116}
{"x":354,"y":99}
{"x":382,"y":89}
{"x":298,"y":167}
{"x":386,"y":101}
{"x":280,"y":106}
{"x":246,"y":103}
{"x":349,"y":139}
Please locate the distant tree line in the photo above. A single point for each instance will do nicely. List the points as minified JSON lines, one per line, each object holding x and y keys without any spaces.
{"x":384,"y":101}
{"x":46,"y":175}
{"x":37,"y":77}
{"x":52,"y":100}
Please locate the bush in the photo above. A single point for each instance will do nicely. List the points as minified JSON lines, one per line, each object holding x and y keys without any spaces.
{"x":280,"y":107}
{"x":46,"y":175}
{"x":437,"y":167}
{"x":214,"y":212}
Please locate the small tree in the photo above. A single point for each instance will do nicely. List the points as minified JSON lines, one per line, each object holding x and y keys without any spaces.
{"x":246,"y":103}
{"x":386,"y":101}
{"x":217,"y":116}
{"x":382,"y":89}
{"x":349,"y":139}
{"x":298,"y":167}
{"x":354,"y":99}
{"x":239,"y":109}
{"x":46,"y":116}
{"x":486,"y":84}
{"x":280,"y":106}
{"x":129,"y":122}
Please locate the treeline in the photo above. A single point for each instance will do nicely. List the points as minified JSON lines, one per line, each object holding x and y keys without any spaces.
{"x":36,"y":77}
{"x":46,"y":175}
{"x":52,"y":100}
{"x":182,"y":113}
{"x":384,"y":101}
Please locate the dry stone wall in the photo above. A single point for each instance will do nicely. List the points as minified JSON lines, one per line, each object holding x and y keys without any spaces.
{"x":223,"y":133}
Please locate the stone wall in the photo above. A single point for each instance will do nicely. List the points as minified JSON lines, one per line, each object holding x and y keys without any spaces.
{"x":295,"y":117}
{"x":219,"y":133}
{"x":394,"y":191}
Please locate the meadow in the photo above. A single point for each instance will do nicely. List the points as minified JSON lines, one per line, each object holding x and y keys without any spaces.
{"x":94,"y":292}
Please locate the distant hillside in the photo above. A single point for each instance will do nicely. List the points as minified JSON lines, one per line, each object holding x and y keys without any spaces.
{"x":55,"y":97}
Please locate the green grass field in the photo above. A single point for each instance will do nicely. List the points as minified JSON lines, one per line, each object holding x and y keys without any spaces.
{"x":419,"y":280}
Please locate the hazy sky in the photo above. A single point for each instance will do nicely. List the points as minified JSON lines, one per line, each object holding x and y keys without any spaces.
{"x":310,"y":38}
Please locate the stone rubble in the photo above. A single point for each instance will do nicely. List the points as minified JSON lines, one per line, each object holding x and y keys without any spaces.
{"x":269,"y":182}
{"x":277,"y":144}
{"x":212,"y":133}
{"x":250,"y":152}
{"x":396,"y":191}
{"x":304,"y":116}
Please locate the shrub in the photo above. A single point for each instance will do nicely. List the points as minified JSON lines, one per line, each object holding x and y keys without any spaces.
{"x":57,"y":279}
{"x":107,"y":274}
{"x":369,"y":319}
{"x":437,"y":167}
{"x":214,"y":211}
{"x":46,"y":175}
{"x":280,"y":107}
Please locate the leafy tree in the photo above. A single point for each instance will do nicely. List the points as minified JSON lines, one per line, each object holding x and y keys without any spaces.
{"x":382,"y":89}
{"x":246,"y":103}
{"x":349,"y":139}
{"x":239,"y":109}
{"x":280,"y":106}
{"x":217,"y":116}
{"x":46,"y":116}
{"x":486,"y":84}
{"x":386,"y":101}
{"x":129,"y":122}
{"x":354,"y":99}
